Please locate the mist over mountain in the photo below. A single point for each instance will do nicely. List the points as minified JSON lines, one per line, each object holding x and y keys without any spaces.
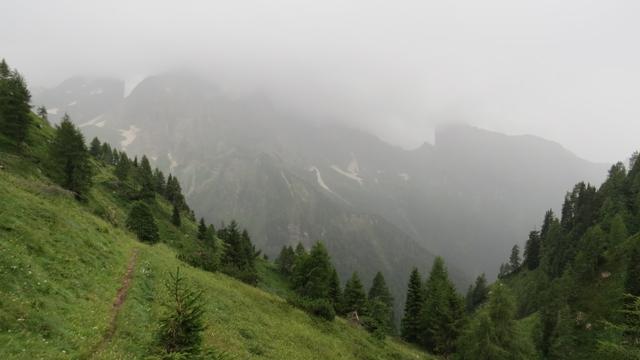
{"x":468,"y":197}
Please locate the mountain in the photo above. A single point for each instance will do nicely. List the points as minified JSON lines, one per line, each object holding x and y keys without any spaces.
{"x":77,"y":284}
{"x":376,"y":206}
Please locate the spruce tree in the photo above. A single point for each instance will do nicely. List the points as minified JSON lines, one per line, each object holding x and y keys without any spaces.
{"x":632,"y":279}
{"x":158,"y":181}
{"x":354,"y":297}
{"x":142,"y":223}
{"x":313,"y":274}
{"x":532,"y":251}
{"x":286,"y":260}
{"x":69,"y":159}
{"x":441,"y":312}
{"x":514,"y":259}
{"x":381,"y":302}
{"x":147,"y":190}
{"x":410,"y":325}
{"x":106,"y":153}
{"x":175,"y":216}
{"x":335,"y":291}
{"x":95,"y":149}
{"x":202,"y":230}
{"x":15,"y":110}
{"x":478,"y":293}
{"x":181,"y":328}
{"x":123,"y":167}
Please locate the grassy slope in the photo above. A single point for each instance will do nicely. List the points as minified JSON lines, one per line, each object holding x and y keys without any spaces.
{"x":61,"y":265}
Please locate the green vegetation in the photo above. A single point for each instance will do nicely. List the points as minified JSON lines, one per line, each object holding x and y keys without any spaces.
{"x":77,"y":283}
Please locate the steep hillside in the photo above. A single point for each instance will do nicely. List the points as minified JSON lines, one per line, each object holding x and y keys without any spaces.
{"x":376,"y":206}
{"x":76,"y":284}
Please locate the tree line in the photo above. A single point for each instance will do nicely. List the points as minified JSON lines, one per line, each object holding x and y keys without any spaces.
{"x":318,"y":290}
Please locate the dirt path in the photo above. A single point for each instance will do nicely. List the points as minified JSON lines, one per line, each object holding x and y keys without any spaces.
{"x":121,"y":296}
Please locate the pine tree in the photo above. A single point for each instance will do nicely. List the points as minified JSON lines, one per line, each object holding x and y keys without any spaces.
{"x":69,"y":159}
{"x":532,"y":251}
{"x":441,"y":312}
{"x":181,"y":328}
{"x":514,"y":259}
{"x":410,"y":325}
{"x":175,"y":216}
{"x":618,"y":232}
{"x":95,"y":149}
{"x":354,"y":297}
{"x":300,"y":250}
{"x":381,"y":302}
{"x":142,"y":223}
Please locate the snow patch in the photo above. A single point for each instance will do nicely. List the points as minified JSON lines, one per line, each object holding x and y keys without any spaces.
{"x":172,"y":162}
{"x":101,"y":123}
{"x":319,"y":179}
{"x":53,"y":111}
{"x":154,"y":158}
{"x":72,"y":103}
{"x":129,"y":135}
{"x":350,"y":175}
{"x":404,"y":176}
{"x":131,"y":84}
{"x":352,"y":172}
{"x":286,"y":181}
{"x":97,"y":91}
{"x":92,"y":122}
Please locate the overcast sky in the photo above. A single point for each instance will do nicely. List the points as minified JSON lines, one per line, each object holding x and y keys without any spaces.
{"x":565,"y":70}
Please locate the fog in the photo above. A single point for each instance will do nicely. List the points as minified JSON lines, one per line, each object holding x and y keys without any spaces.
{"x":564,"y":70}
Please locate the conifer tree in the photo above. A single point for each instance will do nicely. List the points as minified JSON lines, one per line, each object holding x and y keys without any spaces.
{"x":300,"y":250}
{"x":410,"y":325}
{"x":42,"y":113}
{"x":15,"y":116}
{"x":618,"y":232}
{"x":181,"y":328}
{"x":335,"y":291}
{"x":95,"y":149}
{"x":147,"y":190}
{"x":69,"y":159}
{"x":381,"y":302}
{"x":106,"y":153}
{"x":175,"y":216}
{"x":493,"y":334}
{"x":592,"y":245}
{"x":158,"y":181}
{"x":123,"y":167}
{"x":142,"y":223}
{"x":514,"y":259}
{"x":441,"y":312}
{"x":354,"y":297}
{"x":532,"y":251}
{"x":313,"y":274}
{"x":632,"y":280}
{"x":286,"y":260}
{"x":478,"y":293}
{"x":202,"y":230}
